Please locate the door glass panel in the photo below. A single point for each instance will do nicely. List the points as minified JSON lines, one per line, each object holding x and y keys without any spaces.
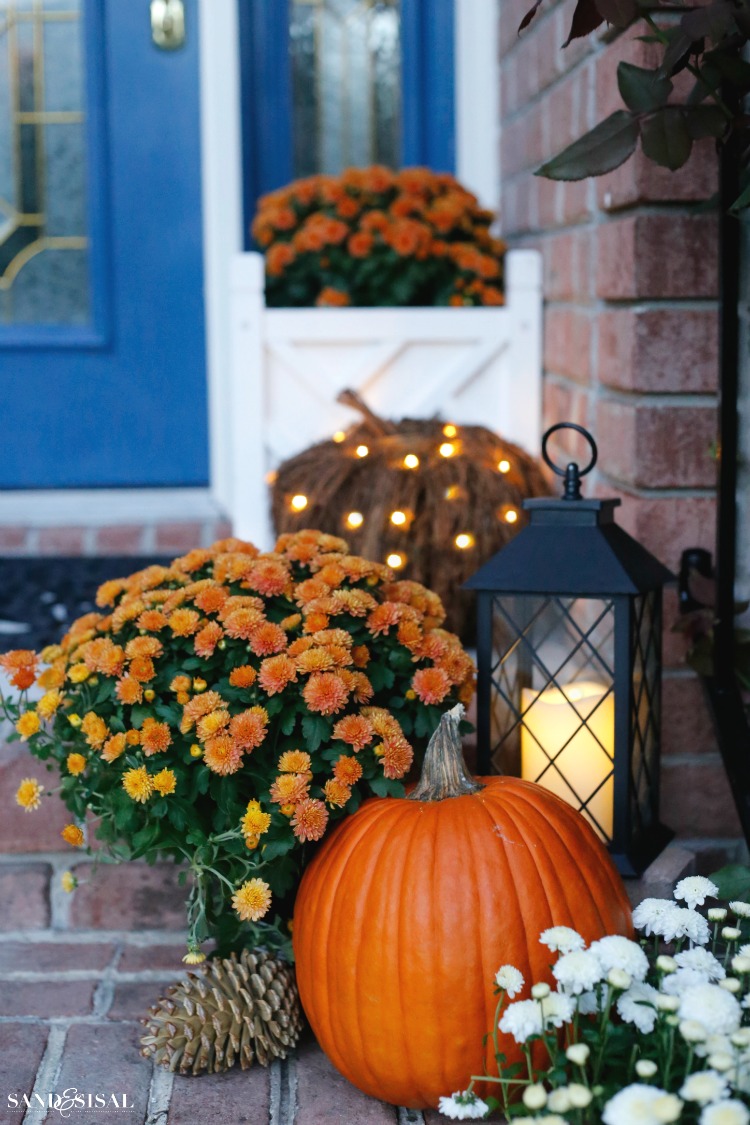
{"x":346,"y":84}
{"x":44,"y":267}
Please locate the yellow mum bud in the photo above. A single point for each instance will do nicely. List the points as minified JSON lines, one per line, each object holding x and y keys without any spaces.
{"x":287,"y":810}
{"x":69,"y":881}
{"x":252,"y":842}
{"x":379,"y":750}
{"x":196,"y":750}
{"x":149,"y":695}
{"x":133,"y":737}
{"x":183,"y":697}
{"x":75,"y":720}
{"x":199,"y":684}
{"x":411,"y":694}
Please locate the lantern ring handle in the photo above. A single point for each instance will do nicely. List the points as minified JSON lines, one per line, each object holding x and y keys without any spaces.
{"x":580,"y":430}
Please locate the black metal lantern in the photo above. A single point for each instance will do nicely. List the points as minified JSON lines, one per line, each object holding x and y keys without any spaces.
{"x":569,"y":655}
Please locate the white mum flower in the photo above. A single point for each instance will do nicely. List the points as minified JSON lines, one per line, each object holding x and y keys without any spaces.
{"x":578,"y":972}
{"x":557,"y":1009}
{"x":744,"y":950}
{"x":578,"y":1053}
{"x":686,"y":923}
{"x":510,"y":978}
{"x":616,"y":952}
{"x":721,"y":1061}
{"x":729,"y":1112}
{"x":702,"y":961}
{"x":534,"y":1096}
{"x":559,"y":1100}
{"x":741,"y":909}
{"x":650,"y":913}
{"x":695,"y":889}
{"x":580,"y":1095}
{"x":646,"y":1068}
{"x":638,"y":1006}
{"x":588,"y":1003}
{"x":717,"y":1010}
{"x":678,"y":983}
{"x":463,"y":1106}
{"x":562,"y":939}
{"x":644,"y":1105}
{"x":714,"y":1044}
{"x":704,"y":1086}
{"x":693,"y":1031}
{"x":522,"y":1020}
{"x":741,"y":964}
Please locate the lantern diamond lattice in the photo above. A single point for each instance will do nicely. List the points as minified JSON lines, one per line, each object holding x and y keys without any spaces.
{"x":569,"y":655}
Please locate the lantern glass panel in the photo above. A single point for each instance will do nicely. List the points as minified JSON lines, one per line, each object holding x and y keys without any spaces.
{"x":644,"y":761}
{"x":552,"y":716}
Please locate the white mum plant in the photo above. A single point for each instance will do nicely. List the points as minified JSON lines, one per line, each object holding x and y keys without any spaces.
{"x":645,"y":1032}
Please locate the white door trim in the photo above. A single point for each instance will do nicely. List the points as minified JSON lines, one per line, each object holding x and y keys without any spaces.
{"x":478,"y":99}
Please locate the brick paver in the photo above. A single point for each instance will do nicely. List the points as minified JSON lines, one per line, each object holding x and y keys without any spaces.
{"x":240,"y":1097}
{"x":105,"y":1061}
{"x":21,"y":1051}
{"x":24,"y":893}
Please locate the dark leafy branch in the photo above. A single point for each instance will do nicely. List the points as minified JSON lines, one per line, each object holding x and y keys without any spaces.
{"x":707,"y":42}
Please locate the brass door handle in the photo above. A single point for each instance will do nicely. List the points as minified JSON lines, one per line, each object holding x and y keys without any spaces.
{"x":168,"y":24}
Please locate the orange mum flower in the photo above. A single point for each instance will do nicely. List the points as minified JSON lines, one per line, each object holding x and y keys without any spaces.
{"x":95,"y":729}
{"x":242,"y":622}
{"x":397,"y":757}
{"x":76,"y":764}
{"x":199,"y":706}
{"x":221,"y":755}
{"x":207,"y":639}
{"x":294,"y":761}
{"x":184,"y":622}
{"x":347,"y":770}
{"x":336,"y":793}
{"x":333,"y":575}
{"x":310,"y":590}
{"x":310,"y":819}
{"x":142,"y":669}
{"x":109,"y":591}
{"x":314,"y":622}
{"x":73,"y":835}
{"x":249,"y":728}
{"x":212,"y":599}
{"x":114,"y":747}
{"x":180,"y":683}
{"x":212,"y":723}
{"x":267,"y":639}
{"x":383,"y":722}
{"x":361,"y":656}
{"x":384,"y":617}
{"x":155,"y":737}
{"x":332,"y":298}
{"x":302,"y":644}
{"x":315,"y":660}
{"x":103,"y":656}
{"x":152,"y":619}
{"x":144,"y":646}
{"x":289,"y":788}
{"x":53,"y":677}
{"x":275,"y":673}
{"x":431,"y":684}
{"x":355,"y":730}
{"x":409,"y":634}
{"x":243,"y":677}
{"x":21,"y":665}
{"x":325,"y":693}
{"x":269,"y":577}
{"x":128,"y":690}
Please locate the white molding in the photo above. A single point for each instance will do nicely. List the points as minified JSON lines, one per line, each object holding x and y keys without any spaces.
{"x":105,"y":507}
{"x":221,"y":163}
{"x":478,"y":99}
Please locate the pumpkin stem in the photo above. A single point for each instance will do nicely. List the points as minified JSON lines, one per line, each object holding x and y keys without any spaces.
{"x":444,"y":772}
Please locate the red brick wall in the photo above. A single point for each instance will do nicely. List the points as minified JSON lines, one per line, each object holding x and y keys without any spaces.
{"x":162,"y":538}
{"x":631,"y":337}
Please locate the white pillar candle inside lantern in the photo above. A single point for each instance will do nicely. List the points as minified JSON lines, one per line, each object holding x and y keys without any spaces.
{"x":550,"y":723}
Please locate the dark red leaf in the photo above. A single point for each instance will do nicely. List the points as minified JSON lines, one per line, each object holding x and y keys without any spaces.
{"x":620,"y":13}
{"x":586,"y":18}
{"x":529,"y":16}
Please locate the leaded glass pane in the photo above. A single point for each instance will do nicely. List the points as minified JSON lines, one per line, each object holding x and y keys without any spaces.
{"x":44,"y":273}
{"x":646,"y":634}
{"x":553,"y":714}
{"x":346,"y":84}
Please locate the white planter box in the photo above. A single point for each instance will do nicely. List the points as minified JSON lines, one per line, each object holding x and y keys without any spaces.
{"x":472,"y":365}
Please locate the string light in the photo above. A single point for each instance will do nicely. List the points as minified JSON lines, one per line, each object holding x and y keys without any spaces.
{"x":298,"y":503}
{"x":339,"y":436}
{"x":503,"y":466}
{"x":355,"y":519}
{"x":464,"y":541}
{"x":396,"y":561}
{"x":398,"y":518}
{"x":411,"y":461}
{"x":453,"y":492}
{"x":450,"y":430}
{"x":362,"y":450}
{"x":447,"y":449}
{"x":271,"y":477}
{"x":510,"y":515}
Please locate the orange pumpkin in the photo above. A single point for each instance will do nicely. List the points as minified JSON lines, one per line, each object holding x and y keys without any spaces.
{"x":412,"y":904}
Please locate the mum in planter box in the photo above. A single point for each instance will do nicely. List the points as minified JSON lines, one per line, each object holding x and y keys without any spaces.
{"x":373,"y":237}
{"x":223,"y":710}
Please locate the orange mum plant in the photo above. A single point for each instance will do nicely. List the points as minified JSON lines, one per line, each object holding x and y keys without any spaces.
{"x":222,"y":711}
{"x":375,"y":237}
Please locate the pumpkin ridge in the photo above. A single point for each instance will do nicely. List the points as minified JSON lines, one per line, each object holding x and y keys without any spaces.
{"x":574,"y":823}
{"x":417,"y":827}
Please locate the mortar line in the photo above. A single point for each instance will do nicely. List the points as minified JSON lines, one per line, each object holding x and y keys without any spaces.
{"x":410,"y":1116}
{"x":290,"y":1109}
{"x":47,"y":1074}
{"x":274,"y":1107}
{"x":159,"y":1095}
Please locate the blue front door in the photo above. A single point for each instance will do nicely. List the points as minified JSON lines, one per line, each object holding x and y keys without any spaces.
{"x":102,"y":348}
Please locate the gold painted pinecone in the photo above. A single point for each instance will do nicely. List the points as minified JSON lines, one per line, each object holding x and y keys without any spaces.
{"x":231,"y":1010}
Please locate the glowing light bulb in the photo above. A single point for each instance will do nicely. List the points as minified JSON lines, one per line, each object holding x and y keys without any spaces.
{"x":450,"y":430}
{"x":411,"y":461}
{"x":447,"y":449}
{"x":339,"y":436}
{"x":355,"y":519}
{"x":298,"y":503}
{"x":464,"y":541}
{"x":503,"y":466}
{"x":362,"y":450}
{"x":399,"y":518}
{"x":396,"y":561}
{"x":511,"y":515}
{"x":453,"y":492}
{"x":271,"y":477}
